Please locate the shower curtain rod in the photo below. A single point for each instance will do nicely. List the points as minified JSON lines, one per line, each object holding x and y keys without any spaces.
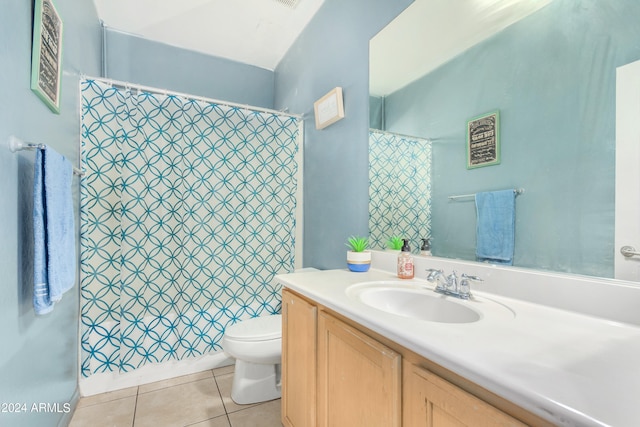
{"x":401,"y":135}
{"x":159,"y":91}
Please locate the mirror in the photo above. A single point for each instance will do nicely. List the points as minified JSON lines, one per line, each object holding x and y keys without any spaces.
{"x":549,"y":68}
{"x":399,"y":190}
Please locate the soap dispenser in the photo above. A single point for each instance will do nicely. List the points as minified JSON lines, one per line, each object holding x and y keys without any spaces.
{"x":425,"y":250}
{"x":405,"y":261}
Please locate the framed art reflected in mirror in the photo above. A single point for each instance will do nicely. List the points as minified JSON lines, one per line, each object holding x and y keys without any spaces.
{"x":483,"y":140}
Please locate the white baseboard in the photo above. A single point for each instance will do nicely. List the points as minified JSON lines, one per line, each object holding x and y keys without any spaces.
{"x":65,"y":420}
{"x":111,"y":381}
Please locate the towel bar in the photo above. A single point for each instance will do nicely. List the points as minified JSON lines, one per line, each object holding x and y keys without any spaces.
{"x":518,"y":191}
{"x":15,"y":144}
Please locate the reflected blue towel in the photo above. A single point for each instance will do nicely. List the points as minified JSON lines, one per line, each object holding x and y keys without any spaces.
{"x":54,"y":261}
{"x":496,"y":226}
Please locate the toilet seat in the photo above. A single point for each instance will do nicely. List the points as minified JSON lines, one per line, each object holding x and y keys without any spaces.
{"x":263,"y":328}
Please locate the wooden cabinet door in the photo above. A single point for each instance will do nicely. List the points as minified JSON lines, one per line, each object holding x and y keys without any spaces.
{"x":430,"y":401}
{"x":358,"y":378}
{"x":299,"y":323}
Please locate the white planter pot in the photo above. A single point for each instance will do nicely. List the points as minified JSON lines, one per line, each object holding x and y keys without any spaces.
{"x":359,"y":261}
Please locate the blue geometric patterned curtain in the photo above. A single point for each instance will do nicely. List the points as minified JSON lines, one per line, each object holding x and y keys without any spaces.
{"x":187,"y":213}
{"x":399,"y":188}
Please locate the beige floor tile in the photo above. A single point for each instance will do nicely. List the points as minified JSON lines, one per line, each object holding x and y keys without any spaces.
{"x":262,"y":415}
{"x":106,"y":397}
{"x":224,"y":370}
{"x":222,"y":421}
{"x":175,"y":381}
{"x":115,"y":413}
{"x":224,"y":384}
{"x":180,"y":405}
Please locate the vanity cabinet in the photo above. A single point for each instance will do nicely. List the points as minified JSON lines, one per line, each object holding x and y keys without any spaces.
{"x":430,"y":401}
{"x":299,"y":352}
{"x":358,"y":378}
{"x":337,"y":373}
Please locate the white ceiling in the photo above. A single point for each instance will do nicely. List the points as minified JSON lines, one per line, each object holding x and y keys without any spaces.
{"x":259,"y":32}
{"x":255,"y":32}
{"x":431,"y":32}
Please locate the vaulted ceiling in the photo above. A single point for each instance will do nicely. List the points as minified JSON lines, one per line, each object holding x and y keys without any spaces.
{"x":255,"y":32}
{"x":431,"y":32}
{"x":260,"y":32}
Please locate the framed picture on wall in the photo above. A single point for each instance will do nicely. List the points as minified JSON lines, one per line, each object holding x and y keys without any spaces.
{"x":46,"y":54}
{"x":483,"y":140}
{"x":329,"y":109}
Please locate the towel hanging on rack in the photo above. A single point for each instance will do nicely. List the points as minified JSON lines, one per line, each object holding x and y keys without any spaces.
{"x":54,"y":261}
{"x":495,"y":228}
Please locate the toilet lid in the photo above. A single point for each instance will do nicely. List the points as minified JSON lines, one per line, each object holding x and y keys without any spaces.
{"x":256,"y":329}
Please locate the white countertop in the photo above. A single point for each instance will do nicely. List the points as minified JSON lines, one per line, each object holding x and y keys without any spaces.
{"x":571,"y":369}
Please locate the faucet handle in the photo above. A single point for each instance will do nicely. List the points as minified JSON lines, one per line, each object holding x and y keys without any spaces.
{"x":433,"y":273}
{"x":436,"y":276}
{"x":465,"y":289}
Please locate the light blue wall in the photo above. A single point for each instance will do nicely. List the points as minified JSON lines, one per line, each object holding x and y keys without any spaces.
{"x":38,"y":355}
{"x":137,"y":60}
{"x":552,"y":76}
{"x":333,"y":51}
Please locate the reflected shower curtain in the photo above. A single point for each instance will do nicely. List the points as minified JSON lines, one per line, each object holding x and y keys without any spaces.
{"x":187,"y":213}
{"x":399,"y":188}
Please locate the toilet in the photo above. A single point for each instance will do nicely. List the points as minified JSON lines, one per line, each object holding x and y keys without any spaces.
{"x":256,"y":344}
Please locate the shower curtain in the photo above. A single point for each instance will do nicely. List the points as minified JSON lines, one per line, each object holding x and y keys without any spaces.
{"x":187,"y":213}
{"x":399,"y":188}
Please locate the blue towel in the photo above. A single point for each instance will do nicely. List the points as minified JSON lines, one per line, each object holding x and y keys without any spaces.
{"x":54,"y":261}
{"x":496,"y":226}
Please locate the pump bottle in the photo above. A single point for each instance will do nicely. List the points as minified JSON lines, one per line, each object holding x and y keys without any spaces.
{"x":405,"y":261}
{"x":425,"y":250}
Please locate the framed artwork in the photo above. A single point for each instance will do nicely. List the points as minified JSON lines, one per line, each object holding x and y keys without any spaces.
{"x":46,"y":55}
{"x":483,"y":140}
{"x":329,"y":109}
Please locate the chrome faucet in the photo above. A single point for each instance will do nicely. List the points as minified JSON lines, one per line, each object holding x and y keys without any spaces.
{"x":452,"y":282}
{"x":449,"y":285}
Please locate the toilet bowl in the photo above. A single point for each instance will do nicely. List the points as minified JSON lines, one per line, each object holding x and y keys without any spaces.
{"x":256,"y":344}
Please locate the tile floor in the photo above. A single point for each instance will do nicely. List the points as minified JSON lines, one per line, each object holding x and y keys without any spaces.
{"x":197,"y":400}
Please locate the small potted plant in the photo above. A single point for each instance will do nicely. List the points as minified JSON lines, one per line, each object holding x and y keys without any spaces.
{"x":395,"y":243}
{"x":358,"y":257}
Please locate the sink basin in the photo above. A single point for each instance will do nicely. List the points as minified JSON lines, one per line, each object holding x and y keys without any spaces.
{"x":420,"y":302}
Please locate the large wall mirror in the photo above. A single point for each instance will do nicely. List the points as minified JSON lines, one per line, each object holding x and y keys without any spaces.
{"x":549,"y":68}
